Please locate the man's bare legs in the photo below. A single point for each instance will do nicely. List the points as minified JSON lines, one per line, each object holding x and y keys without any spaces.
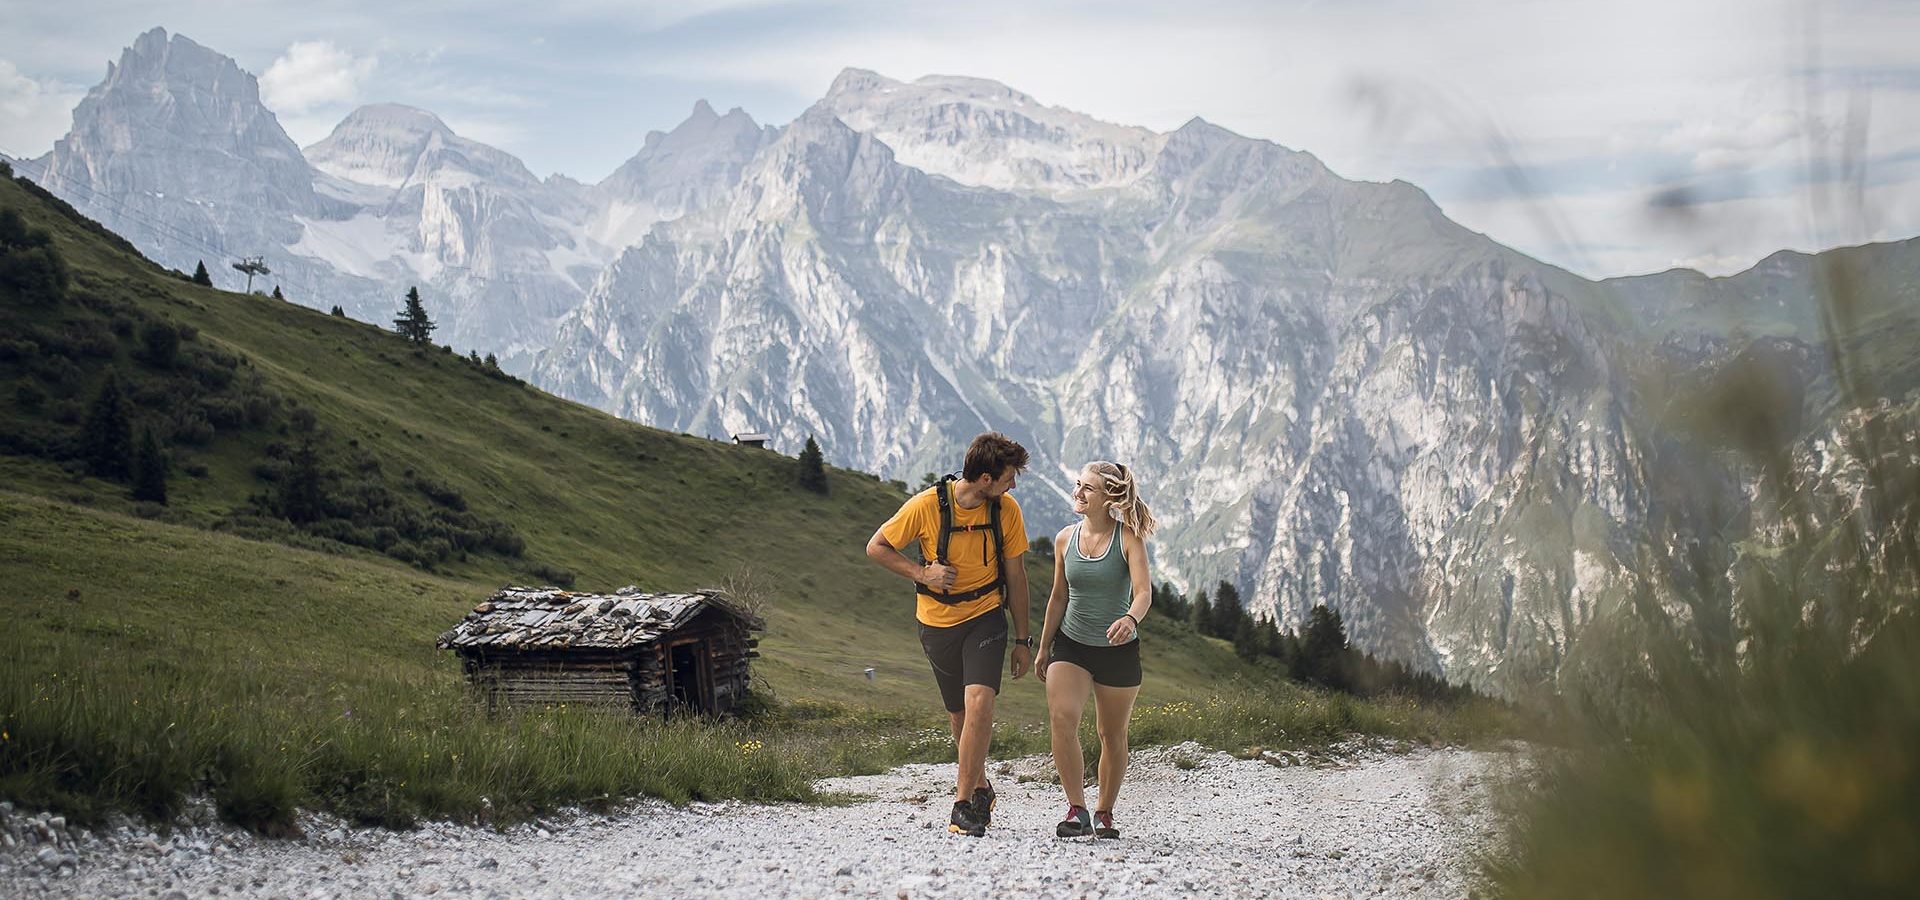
{"x":972,"y":733}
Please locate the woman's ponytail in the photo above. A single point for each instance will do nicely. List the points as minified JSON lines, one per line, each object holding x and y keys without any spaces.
{"x":1123,"y":496}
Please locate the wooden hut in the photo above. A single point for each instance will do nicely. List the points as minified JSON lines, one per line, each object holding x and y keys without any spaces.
{"x":655,"y":653}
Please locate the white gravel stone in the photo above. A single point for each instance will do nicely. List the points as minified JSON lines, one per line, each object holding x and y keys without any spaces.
{"x":1362,"y":824}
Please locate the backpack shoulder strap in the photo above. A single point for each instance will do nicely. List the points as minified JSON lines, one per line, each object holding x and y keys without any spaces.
{"x":999,"y":558}
{"x":943,"y":489}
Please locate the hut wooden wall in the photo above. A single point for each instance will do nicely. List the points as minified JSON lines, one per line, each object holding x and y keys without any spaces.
{"x":637,"y":678}
{"x":539,"y":677}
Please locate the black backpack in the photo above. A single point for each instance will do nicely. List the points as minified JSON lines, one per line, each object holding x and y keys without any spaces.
{"x":944,"y":491}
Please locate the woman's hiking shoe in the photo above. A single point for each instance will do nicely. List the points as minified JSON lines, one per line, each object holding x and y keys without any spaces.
{"x":1076,"y":825}
{"x":983,"y":801}
{"x":1103,"y":825}
{"x":965,"y":820}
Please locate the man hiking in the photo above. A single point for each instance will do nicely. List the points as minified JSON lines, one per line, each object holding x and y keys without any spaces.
{"x":971,"y":535}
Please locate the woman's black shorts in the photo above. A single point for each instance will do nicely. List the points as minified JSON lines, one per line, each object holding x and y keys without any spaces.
{"x":972,"y":652}
{"x":1110,"y":666}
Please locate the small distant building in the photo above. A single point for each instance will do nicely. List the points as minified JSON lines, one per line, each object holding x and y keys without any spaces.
{"x":653,"y":653}
{"x":752,"y":439}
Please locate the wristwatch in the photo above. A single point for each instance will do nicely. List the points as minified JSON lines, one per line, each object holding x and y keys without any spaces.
{"x":1026,"y":642}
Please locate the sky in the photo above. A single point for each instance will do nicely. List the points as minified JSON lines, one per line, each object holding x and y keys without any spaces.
{"x":1611,"y":138}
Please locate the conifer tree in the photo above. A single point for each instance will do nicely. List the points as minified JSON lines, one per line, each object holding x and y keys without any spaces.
{"x":1164,"y":603}
{"x":1246,"y":641}
{"x":200,"y":275}
{"x":412,"y":323}
{"x":279,"y":296}
{"x":493,"y":362}
{"x":302,"y":496}
{"x":1268,"y":636}
{"x":106,"y":437}
{"x":1323,"y":648}
{"x":149,"y":470}
{"x":1227,"y":611}
{"x":338,"y":313}
{"x":813,"y":472}
{"x":1202,"y":613}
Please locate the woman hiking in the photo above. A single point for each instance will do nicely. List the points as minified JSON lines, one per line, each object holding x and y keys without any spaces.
{"x":1101,"y":591}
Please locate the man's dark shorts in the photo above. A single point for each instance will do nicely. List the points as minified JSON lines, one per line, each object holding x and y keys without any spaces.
{"x":972,"y":652}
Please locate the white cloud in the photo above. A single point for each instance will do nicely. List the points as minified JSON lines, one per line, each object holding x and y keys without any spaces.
{"x":1723,"y":142}
{"x":33,"y":114}
{"x":314,"y":74}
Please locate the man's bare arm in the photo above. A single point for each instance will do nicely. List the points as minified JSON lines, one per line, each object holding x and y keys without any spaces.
{"x":891,"y":559}
{"x":1017,"y":603}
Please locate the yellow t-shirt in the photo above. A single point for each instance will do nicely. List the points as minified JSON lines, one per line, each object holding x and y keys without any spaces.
{"x":919,"y":519}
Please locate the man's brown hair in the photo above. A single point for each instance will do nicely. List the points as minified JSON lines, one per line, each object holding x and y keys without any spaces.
{"x":993,"y":453}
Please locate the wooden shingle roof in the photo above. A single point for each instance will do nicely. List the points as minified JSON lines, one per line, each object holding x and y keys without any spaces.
{"x":521,"y":618}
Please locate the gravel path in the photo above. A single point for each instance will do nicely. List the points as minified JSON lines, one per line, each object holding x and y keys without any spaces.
{"x":1194,"y":822}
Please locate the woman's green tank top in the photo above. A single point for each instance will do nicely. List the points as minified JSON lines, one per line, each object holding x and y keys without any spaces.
{"x":1099,"y":590}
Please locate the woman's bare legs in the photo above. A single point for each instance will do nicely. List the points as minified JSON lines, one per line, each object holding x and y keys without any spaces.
{"x":1112,"y":707}
{"x":1066,"y":700}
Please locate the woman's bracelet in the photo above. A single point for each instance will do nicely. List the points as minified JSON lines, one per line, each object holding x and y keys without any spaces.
{"x":1136,"y":622}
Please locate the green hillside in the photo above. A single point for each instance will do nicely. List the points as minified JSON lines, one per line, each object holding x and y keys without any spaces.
{"x":337,"y":498}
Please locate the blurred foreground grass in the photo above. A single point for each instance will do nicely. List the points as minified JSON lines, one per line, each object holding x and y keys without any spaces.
{"x":1752,"y":728}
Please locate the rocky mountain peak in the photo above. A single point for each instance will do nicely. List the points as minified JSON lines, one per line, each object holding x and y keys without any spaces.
{"x":819,"y":159}
{"x":856,"y":81}
{"x":676,"y":172}
{"x":378,"y":144}
{"x":179,"y":131}
{"x":981,"y":132}
{"x":167,"y":86}
{"x":391,"y":145}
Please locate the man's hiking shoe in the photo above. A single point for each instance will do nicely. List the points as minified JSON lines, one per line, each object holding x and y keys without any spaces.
{"x":1103,"y":825}
{"x":983,"y":801}
{"x":965,"y":820}
{"x":1077,"y":824}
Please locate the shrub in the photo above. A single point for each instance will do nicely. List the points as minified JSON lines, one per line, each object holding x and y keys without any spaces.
{"x":29,"y":396}
{"x":59,"y":372}
{"x":552,"y":575}
{"x":440,"y":492}
{"x":36,"y":275}
{"x":18,"y":350}
{"x":91,"y":338}
{"x":159,"y":344}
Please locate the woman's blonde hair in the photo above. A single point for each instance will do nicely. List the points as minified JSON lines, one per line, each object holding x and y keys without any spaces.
{"x":1123,"y":494}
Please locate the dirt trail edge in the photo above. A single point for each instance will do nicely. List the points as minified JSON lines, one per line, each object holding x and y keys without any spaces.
{"x":1194,"y":822}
